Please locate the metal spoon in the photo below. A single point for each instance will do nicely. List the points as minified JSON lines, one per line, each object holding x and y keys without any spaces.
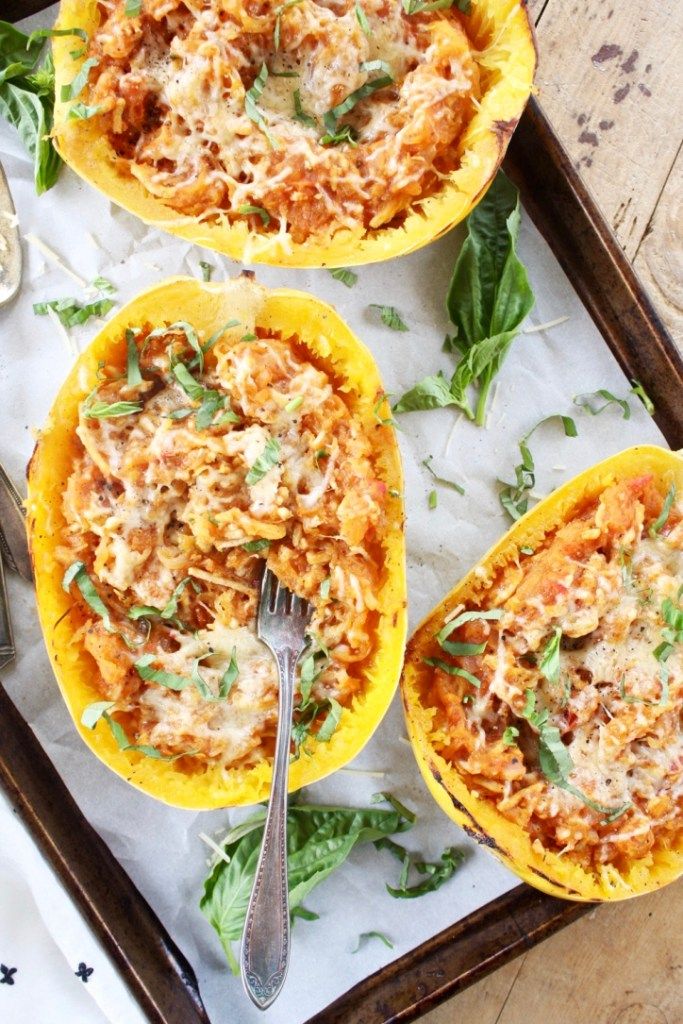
{"x":10,"y":246}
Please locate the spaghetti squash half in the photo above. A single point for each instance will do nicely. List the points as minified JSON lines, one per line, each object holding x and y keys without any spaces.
{"x":544,"y":695}
{"x":207,"y":429}
{"x":306,"y":133}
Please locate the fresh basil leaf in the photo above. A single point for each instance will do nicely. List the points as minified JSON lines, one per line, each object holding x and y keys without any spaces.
{"x":133,"y":375}
{"x":362,"y":18}
{"x":247,"y":209}
{"x":254,"y":94}
{"x":73,"y":90}
{"x":663,"y":516}
{"x":440,"y":479}
{"x":31,"y":114}
{"x":453,"y":670}
{"x":18,"y":48}
{"x":430,"y":393}
{"x":596,"y":402}
{"x":510,"y":736}
{"x":549,"y":664}
{"x":78,"y":574}
{"x":391,"y":317}
{"x":267,"y":460}
{"x":346,"y":276}
{"x":300,"y":114}
{"x":72,"y":313}
{"x":642,"y":394}
{"x":366,"y":936}
{"x":319,"y":840}
{"x":389,"y":798}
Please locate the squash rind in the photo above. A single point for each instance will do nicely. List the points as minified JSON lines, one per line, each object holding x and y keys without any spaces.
{"x":508,"y":841}
{"x":507,"y":56}
{"x":208,"y":307}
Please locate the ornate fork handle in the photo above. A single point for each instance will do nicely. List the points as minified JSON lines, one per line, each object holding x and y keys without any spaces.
{"x":265,"y":940}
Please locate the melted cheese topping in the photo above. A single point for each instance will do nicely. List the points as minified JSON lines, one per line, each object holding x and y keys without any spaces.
{"x":174,"y":88}
{"x":157,"y":499}
{"x":605,"y":583}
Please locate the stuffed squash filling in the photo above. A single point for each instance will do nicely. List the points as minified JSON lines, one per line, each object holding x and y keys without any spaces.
{"x":198,"y":459}
{"x":559,"y":697}
{"x":304,"y":117}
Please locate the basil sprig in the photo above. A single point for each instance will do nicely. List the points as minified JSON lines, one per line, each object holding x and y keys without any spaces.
{"x":319,"y":840}
{"x":488,"y":299}
{"x":27,"y":97}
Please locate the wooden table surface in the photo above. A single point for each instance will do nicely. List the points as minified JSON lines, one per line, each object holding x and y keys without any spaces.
{"x":611,"y":80}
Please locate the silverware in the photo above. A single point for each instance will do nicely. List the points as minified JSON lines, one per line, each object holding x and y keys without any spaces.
{"x":13,"y":540}
{"x":10,"y":246}
{"x":7,"y":650}
{"x":282,"y":621}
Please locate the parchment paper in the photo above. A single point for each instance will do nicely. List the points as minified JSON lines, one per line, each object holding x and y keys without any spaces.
{"x":159,"y":846}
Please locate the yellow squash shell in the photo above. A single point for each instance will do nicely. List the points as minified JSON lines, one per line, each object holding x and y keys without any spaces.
{"x":479,"y":817}
{"x":208,"y":307}
{"x":502,"y":36}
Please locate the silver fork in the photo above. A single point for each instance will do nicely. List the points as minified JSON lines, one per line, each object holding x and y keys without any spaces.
{"x":281,"y":624}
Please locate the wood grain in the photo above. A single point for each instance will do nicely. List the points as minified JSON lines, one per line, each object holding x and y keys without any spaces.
{"x":611,"y":79}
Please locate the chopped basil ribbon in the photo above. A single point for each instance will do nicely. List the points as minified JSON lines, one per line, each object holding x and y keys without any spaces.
{"x":169,"y":610}
{"x":515,"y":497}
{"x":440,"y":479}
{"x":391,"y":317}
{"x":307,"y":711}
{"x":294,"y":403}
{"x":207,"y":270}
{"x":492,"y":615}
{"x":642,"y":394}
{"x":252,"y":546}
{"x":54,"y":33}
{"x":210,"y":401}
{"x":510,"y":736}
{"x":432,"y":500}
{"x":549,"y":665}
{"x":226,"y":682}
{"x":75,"y":88}
{"x":248,"y":209}
{"x":266,"y":461}
{"x":133,"y":375}
{"x":300,"y":114}
{"x":324,"y":589}
{"x":100,"y":709}
{"x":591,"y":402}
{"x":180,"y":327}
{"x":346,"y":276}
{"x":344,"y":134}
{"x":437,"y":873}
{"x":279,"y":11}
{"x":555,"y":760}
{"x":77,"y":573}
{"x":104,"y":285}
{"x":332,"y":116}
{"x":133,"y":8}
{"x":385,"y":421}
{"x":452,"y":670}
{"x":157,"y":675}
{"x":488,"y":299}
{"x":366,"y":936}
{"x":93,"y":410}
{"x":362,"y":18}
{"x":72,"y":313}
{"x":661,"y":519}
{"x":389,"y":798}
{"x":254,"y":94}
{"x":422,"y":6}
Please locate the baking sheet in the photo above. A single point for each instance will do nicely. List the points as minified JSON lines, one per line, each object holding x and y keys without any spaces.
{"x":159,"y":846}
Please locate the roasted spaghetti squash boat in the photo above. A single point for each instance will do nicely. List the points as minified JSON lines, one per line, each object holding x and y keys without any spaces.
{"x":308,"y":133}
{"x":209,"y":428}
{"x":544,"y":695}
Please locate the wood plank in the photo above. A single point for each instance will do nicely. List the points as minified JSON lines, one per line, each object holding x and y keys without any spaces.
{"x":622,"y":964}
{"x":610,"y":78}
{"x":659,"y":261}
